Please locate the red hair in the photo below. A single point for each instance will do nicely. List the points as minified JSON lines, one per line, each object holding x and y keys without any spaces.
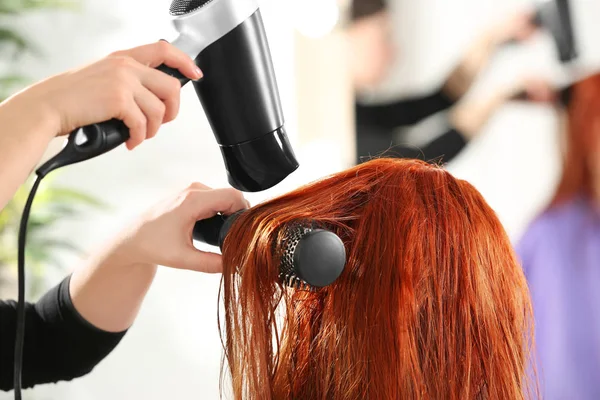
{"x":432,"y":303}
{"x":583,"y":130}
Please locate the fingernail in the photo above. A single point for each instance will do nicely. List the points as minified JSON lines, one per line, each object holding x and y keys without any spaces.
{"x":199,"y":73}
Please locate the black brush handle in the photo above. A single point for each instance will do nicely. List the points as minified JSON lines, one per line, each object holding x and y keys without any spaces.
{"x":208,"y":230}
{"x":213,"y":231}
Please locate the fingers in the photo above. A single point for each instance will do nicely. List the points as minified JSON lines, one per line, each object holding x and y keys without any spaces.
{"x":143,"y":91}
{"x":541,"y":93}
{"x":161,"y":52}
{"x":526,"y":31}
{"x":201,"y":261}
{"x":158,"y":101}
{"x":133,"y":117}
{"x":153,"y":109}
{"x":199,"y":186}
{"x":166,"y":88}
{"x":537,"y":89}
{"x":202,"y":204}
{"x":517,"y":27}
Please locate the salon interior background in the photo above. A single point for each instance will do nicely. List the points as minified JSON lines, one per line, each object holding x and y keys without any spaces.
{"x":173,"y":351}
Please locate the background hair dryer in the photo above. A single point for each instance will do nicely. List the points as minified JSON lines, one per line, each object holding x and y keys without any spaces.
{"x":239,"y":95}
{"x":555,"y":16}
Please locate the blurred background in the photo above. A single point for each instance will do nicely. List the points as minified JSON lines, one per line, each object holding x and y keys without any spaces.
{"x":173,"y":350}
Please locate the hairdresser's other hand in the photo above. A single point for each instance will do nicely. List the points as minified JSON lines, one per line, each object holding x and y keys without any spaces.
{"x":517,"y":27}
{"x":471,"y":116}
{"x":123,"y":85}
{"x":537,"y":90}
{"x":163,"y":235}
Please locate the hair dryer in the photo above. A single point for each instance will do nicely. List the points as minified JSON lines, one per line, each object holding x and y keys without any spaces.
{"x":239,"y":95}
{"x":555,"y":16}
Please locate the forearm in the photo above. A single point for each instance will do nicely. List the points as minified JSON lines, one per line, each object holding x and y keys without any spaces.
{"x":476,"y":59}
{"x":25,"y":132}
{"x":109,"y":290}
{"x":470,"y":118}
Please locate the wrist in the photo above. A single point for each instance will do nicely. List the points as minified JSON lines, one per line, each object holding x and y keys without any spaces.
{"x":109,"y":290}
{"x":125,"y":256}
{"x":36,"y":117}
{"x":494,"y":39}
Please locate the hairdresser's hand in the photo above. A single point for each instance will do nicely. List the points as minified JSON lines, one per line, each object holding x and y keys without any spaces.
{"x":108,"y":291}
{"x":123,"y":85}
{"x":536,"y":90}
{"x":517,"y":27}
{"x":163,"y":236}
{"x":471,"y":116}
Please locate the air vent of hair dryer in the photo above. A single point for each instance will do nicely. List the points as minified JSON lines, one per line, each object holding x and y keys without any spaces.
{"x":182,"y":7}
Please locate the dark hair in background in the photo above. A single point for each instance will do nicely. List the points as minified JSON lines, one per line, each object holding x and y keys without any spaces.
{"x":583,"y":113}
{"x":365,"y":8}
{"x":432,"y":303}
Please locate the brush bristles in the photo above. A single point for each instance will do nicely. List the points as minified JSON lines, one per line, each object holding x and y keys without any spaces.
{"x":292,"y":281}
{"x":287,"y":269}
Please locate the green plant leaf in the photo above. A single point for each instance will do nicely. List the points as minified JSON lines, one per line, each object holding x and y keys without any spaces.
{"x":13,"y":80}
{"x":12,"y":37}
{"x":57,"y":244}
{"x":62,"y":4}
{"x":9,"y":83}
{"x":19,"y":6}
{"x":52,"y":205}
{"x":71,"y":196}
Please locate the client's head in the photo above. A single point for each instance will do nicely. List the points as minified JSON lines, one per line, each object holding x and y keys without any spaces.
{"x":581,"y":162}
{"x":432,"y":303}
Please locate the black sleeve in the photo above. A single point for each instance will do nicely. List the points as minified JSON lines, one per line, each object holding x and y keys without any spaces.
{"x":403,"y":112}
{"x":59,"y":344}
{"x":440,"y":151}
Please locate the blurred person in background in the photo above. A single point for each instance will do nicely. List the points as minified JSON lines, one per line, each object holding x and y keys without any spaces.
{"x":372,"y":56}
{"x":75,"y":325}
{"x":560,"y":253}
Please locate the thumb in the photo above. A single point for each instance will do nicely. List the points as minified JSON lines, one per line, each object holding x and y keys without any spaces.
{"x":201,"y":261}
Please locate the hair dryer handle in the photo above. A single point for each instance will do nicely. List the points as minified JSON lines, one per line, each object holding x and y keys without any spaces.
{"x":88,"y":142}
{"x":96,"y":139}
{"x":174,"y":73}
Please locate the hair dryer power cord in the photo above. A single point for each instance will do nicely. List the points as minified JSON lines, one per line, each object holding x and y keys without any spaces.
{"x":20,"y":335}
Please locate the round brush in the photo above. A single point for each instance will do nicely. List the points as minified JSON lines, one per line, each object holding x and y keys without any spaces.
{"x":312,"y":257}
